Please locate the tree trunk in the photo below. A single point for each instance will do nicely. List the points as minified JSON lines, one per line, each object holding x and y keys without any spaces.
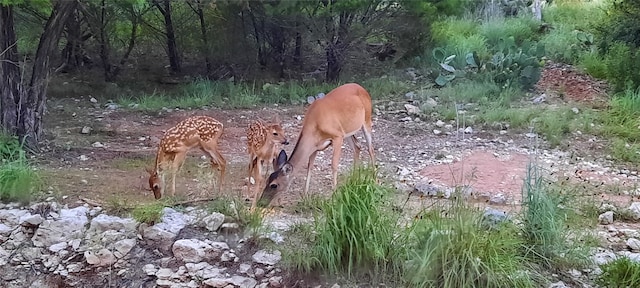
{"x":172,"y":48}
{"x":9,"y":72}
{"x":334,"y":63}
{"x":337,"y":47}
{"x":27,"y":102}
{"x":297,"y":53}
{"x":205,"y":39}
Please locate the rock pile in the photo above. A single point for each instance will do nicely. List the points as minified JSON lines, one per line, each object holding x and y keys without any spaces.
{"x":46,"y":245}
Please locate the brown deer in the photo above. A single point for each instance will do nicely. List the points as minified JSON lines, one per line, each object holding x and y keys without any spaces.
{"x":263,"y":141}
{"x":196,"y":131}
{"x":327,"y":122}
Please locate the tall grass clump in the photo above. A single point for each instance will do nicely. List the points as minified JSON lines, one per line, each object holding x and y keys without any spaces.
{"x":520,"y":28}
{"x":622,"y":272}
{"x":458,"y":250}
{"x":354,"y":233}
{"x":622,"y":119}
{"x":18,"y":180}
{"x":544,"y":215}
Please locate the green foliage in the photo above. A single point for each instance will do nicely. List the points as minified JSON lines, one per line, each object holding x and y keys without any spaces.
{"x":520,"y":29}
{"x":18,"y":180}
{"x":356,"y":232}
{"x":456,"y":250}
{"x":503,"y":52}
{"x":545,"y":212}
{"x":594,"y":65}
{"x":623,"y":116}
{"x":622,"y":272}
{"x":150,"y":213}
{"x":622,"y":24}
{"x":621,"y":62}
{"x":563,"y":44}
{"x":623,"y":151}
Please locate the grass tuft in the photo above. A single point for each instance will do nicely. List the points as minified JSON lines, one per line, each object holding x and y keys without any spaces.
{"x":18,"y":180}
{"x":622,"y":272}
{"x":150,"y":213}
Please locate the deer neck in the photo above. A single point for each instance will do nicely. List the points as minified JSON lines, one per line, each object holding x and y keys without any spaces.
{"x":304,"y":148}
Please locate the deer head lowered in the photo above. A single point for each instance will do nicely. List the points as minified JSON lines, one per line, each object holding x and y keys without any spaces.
{"x":196,"y":131}
{"x":328,"y":121}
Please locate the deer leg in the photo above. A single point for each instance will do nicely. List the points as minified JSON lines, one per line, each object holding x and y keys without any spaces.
{"x":178,"y":159}
{"x":368,"y":136}
{"x":356,"y":150}
{"x":257,"y":193}
{"x":216,"y":160}
{"x":309,"y":167}
{"x":335,"y":160}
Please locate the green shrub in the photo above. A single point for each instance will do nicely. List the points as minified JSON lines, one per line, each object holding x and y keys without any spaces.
{"x":443,"y":31}
{"x":520,"y":28}
{"x":562,"y":44}
{"x":18,"y":180}
{"x":621,"y":62}
{"x":544,"y":214}
{"x":458,"y":251}
{"x":149,"y":213}
{"x":594,"y":65}
{"x":356,"y":232}
{"x":622,"y":272}
{"x":623,"y":116}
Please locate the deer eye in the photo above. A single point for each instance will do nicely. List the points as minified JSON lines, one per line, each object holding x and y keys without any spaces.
{"x":275,"y":133}
{"x":273,"y":186}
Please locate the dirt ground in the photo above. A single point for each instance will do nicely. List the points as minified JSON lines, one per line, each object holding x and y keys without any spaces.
{"x":107,"y":164}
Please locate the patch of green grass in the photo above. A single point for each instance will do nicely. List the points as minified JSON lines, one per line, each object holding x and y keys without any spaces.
{"x":18,"y":180}
{"x":520,"y":28}
{"x":117,"y":205}
{"x":453,"y":249}
{"x":443,"y":31}
{"x":561,"y":44}
{"x":545,"y":213}
{"x":622,"y":119}
{"x":310,"y":204}
{"x":354,"y":233}
{"x":582,"y":15}
{"x":552,"y":123}
{"x":622,"y":272}
{"x":594,"y":65}
{"x":623,"y":151}
{"x":235,"y":208}
{"x":149,"y":213}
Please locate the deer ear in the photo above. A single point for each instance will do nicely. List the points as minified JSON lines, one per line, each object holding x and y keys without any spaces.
{"x":280,"y":160}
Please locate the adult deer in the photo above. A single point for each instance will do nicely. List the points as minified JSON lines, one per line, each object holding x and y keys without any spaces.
{"x":327,"y":122}
{"x":263,"y":140}
{"x":196,"y":131}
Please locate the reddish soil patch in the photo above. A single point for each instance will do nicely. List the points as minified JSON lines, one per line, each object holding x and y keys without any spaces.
{"x":484,"y":171}
{"x":571,"y":84}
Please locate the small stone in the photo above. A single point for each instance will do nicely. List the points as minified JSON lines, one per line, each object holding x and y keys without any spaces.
{"x":468,"y":130}
{"x":606,"y":218}
{"x":411,"y":109}
{"x":164,"y":273}
{"x":503,"y":132}
{"x":86,"y":130}
{"x":97,"y":145}
{"x":440,"y":123}
{"x":634,"y":244}
{"x":267,"y":258}
{"x":436,"y":132}
{"x":55,"y":248}
{"x":93,"y":100}
{"x":31,"y":220}
{"x":275,"y":281}
{"x":214,"y":221}
{"x":150,"y":269}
